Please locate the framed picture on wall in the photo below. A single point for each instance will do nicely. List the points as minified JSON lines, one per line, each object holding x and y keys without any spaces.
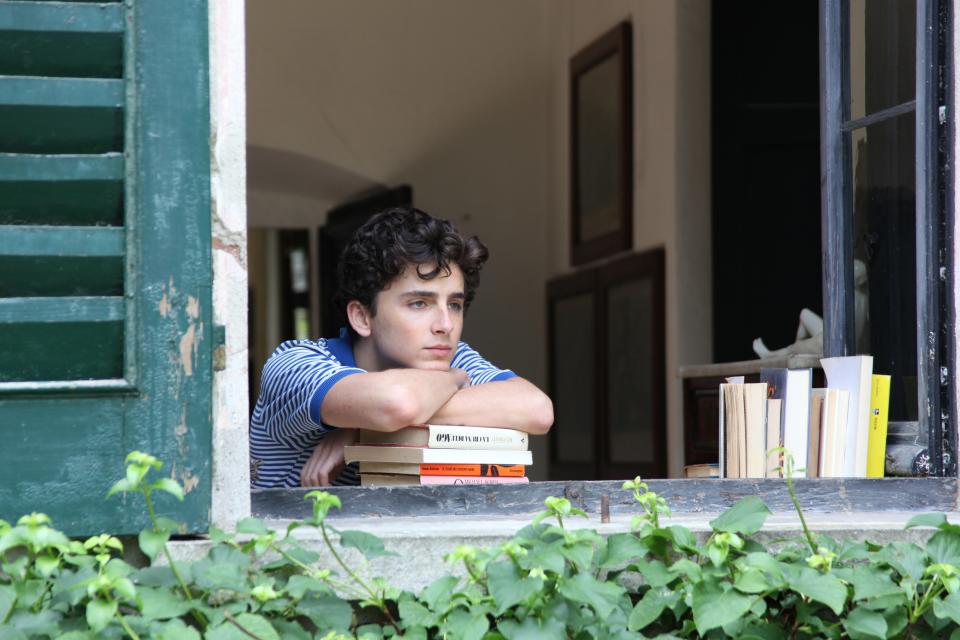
{"x":601,"y":147}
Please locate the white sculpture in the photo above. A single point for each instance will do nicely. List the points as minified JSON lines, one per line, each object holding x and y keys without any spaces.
{"x":809,"y":339}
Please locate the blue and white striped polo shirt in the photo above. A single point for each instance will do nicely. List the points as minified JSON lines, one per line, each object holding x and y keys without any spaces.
{"x":286,"y":426}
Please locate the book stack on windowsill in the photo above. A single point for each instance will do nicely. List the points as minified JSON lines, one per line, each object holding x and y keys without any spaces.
{"x":441,"y":454}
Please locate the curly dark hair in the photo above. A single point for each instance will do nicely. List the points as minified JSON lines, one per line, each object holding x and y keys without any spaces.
{"x":397,"y":237}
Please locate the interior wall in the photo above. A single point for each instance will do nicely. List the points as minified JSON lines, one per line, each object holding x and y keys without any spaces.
{"x":671,"y":180}
{"x":453,"y":97}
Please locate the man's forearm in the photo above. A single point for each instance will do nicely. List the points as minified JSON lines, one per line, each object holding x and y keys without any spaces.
{"x":514,"y":403}
{"x":389,"y":400}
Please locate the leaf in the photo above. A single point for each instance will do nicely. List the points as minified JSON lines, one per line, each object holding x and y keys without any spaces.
{"x":751,"y":580}
{"x":823,"y":588}
{"x":438,"y":591}
{"x":475,"y":628}
{"x":120,"y":486}
{"x":327,"y":611}
{"x":865,"y":623}
{"x":871,"y":582}
{"x":7,"y":599}
{"x":655,"y":573}
{"x":944,"y":547}
{"x":100,"y":613}
{"x":683,"y":538}
{"x":686,"y":567}
{"x":935,"y":520}
{"x":545,"y":556}
{"x":621,"y":549}
{"x":151,"y":542}
{"x":533,"y":629}
{"x":366,"y":543}
{"x":601,"y":596}
{"x":297,"y":586}
{"x":580,"y":554}
{"x":254,"y":526}
{"x":161,"y":604}
{"x":174,"y":629}
{"x":255,"y":625}
{"x":907,"y":558}
{"x":714,"y":608}
{"x":170,"y":486}
{"x":46,"y":564}
{"x":289,"y":630}
{"x":415,"y":614}
{"x":747,"y":516}
{"x":508,"y":587}
{"x":948,"y":607}
{"x":650,"y":606}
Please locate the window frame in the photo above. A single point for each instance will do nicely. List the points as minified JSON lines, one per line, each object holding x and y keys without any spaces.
{"x":933,"y":108}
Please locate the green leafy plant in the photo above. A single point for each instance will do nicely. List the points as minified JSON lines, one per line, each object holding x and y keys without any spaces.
{"x":551,"y":580}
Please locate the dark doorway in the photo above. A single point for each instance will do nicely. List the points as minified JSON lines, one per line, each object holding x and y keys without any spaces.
{"x":766,"y":173}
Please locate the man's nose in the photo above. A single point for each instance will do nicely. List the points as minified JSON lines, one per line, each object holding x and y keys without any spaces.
{"x":443,"y":322}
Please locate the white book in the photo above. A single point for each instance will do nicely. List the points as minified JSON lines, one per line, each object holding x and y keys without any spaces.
{"x":833,"y":425}
{"x":792,"y":387}
{"x":424,"y":455}
{"x":853,"y":374}
{"x":446,"y":436}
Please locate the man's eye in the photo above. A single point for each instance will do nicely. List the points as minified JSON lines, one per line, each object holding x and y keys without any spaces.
{"x":417,"y":304}
{"x":456,"y":306}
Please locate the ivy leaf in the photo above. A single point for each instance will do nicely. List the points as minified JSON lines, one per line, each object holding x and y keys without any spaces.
{"x":747,"y":516}
{"x":223,"y":568}
{"x":579,"y":554}
{"x":7,"y":598}
{"x":253,"y":526}
{"x":872,"y":582}
{"x":326,"y":611}
{"x":714,"y":608}
{"x":545,"y":556}
{"x":415,"y":614}
{"x":366,"y":543}
{"x":151,"y":542}
{"x":944,"y":547}
{"x":823,"y":588}
{"x":864,"y":623}
{"x":438,"y":591}
{"x":655,"y":573}
{"x":650,"y":606}
{"x":30,"y":624}
{"x":297,"y":586}
{"x":935,"y":520}
{"x":751,"y":580}
{"x":907,"y":558}
{"x":508,"y":587}
{"x":763,"y":631}
{"x":100,"y":613}
{"x":948,"y":607}
{"x":174,"y":629}
{"x":533,"y":629}
{"x":686,"y":567}
{"x":256,"y":626}
{"x":621,"y":549}
{"x":684,"y":539}
{"x":476,"y":628}
{"x":464,"y":625}
{"x":161,"y":604}
{"x":896,"y":618}
{"x":170,"y":486}
{"x":584,"y":588}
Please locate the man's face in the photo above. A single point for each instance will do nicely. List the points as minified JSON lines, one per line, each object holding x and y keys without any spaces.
{"x":418,"y":322}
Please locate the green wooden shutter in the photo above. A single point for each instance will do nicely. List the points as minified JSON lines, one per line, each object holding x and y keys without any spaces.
{"x":105,"y":267}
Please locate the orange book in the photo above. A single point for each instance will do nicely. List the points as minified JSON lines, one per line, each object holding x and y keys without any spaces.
{"x":490,"y":470}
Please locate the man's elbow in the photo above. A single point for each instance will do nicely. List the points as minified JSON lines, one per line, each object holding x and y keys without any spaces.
{"x":400,"y":409}
{"x":541,"y":416}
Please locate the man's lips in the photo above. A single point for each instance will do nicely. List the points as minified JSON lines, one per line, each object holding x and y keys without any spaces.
{"x":439,"y":349}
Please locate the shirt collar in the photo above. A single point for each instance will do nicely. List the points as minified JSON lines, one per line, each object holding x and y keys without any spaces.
{"x":342,"y":348}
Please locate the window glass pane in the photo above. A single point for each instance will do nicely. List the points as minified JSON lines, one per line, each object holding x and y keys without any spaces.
{"x":882,"y":54}
{"x":630,"y":372}
{"x":573,"y":365}
{"x":884,"y":221}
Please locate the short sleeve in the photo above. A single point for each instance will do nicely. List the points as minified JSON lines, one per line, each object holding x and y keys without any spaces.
{"x":296,"y":379}
{"x":478,"y":369}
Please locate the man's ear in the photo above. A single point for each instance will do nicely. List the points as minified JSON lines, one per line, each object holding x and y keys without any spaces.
{"x":359,"y":316}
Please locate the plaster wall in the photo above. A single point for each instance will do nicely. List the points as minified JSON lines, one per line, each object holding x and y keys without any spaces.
{"x":453,"y":97}
{"x":671,"y":180}
{"x":231,"y":461}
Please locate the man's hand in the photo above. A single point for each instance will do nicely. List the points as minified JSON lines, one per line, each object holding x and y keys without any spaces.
{"x":326,"y":463}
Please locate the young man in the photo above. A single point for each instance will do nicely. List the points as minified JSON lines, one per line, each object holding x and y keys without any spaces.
{"x":406,"y":280}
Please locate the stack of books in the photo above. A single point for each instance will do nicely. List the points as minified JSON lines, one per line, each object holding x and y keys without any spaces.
{"x":836,"y":432}
{"x":441,"y":454}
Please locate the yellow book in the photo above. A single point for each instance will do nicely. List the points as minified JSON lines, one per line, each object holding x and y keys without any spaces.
{"x":877,"y":443}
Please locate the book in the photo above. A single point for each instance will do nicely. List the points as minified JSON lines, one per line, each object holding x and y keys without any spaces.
{"x":400,"y":479}
{"x":503,"y":470}
{"x":443,"y":436}
{"x":877,"y":441}
{"x":853,"y":374}
{"x":833,"y":430}
{"x":424,"y":455}
{"x":774,"y":458}
{"x":792,"y":388}
{"x":816,"y":432}
{"x":710,"y":470}
{"x":743,"y":418}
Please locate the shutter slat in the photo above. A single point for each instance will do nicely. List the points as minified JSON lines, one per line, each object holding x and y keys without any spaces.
{"x":75,"y":242}
{"x":61,"y":310}
{"x":61,"y":17}
{"x":36,"y":91}
{"x":22,"y":167}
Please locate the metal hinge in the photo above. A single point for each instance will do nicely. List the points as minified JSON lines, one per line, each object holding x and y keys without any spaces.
{"x":219,"y":347}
